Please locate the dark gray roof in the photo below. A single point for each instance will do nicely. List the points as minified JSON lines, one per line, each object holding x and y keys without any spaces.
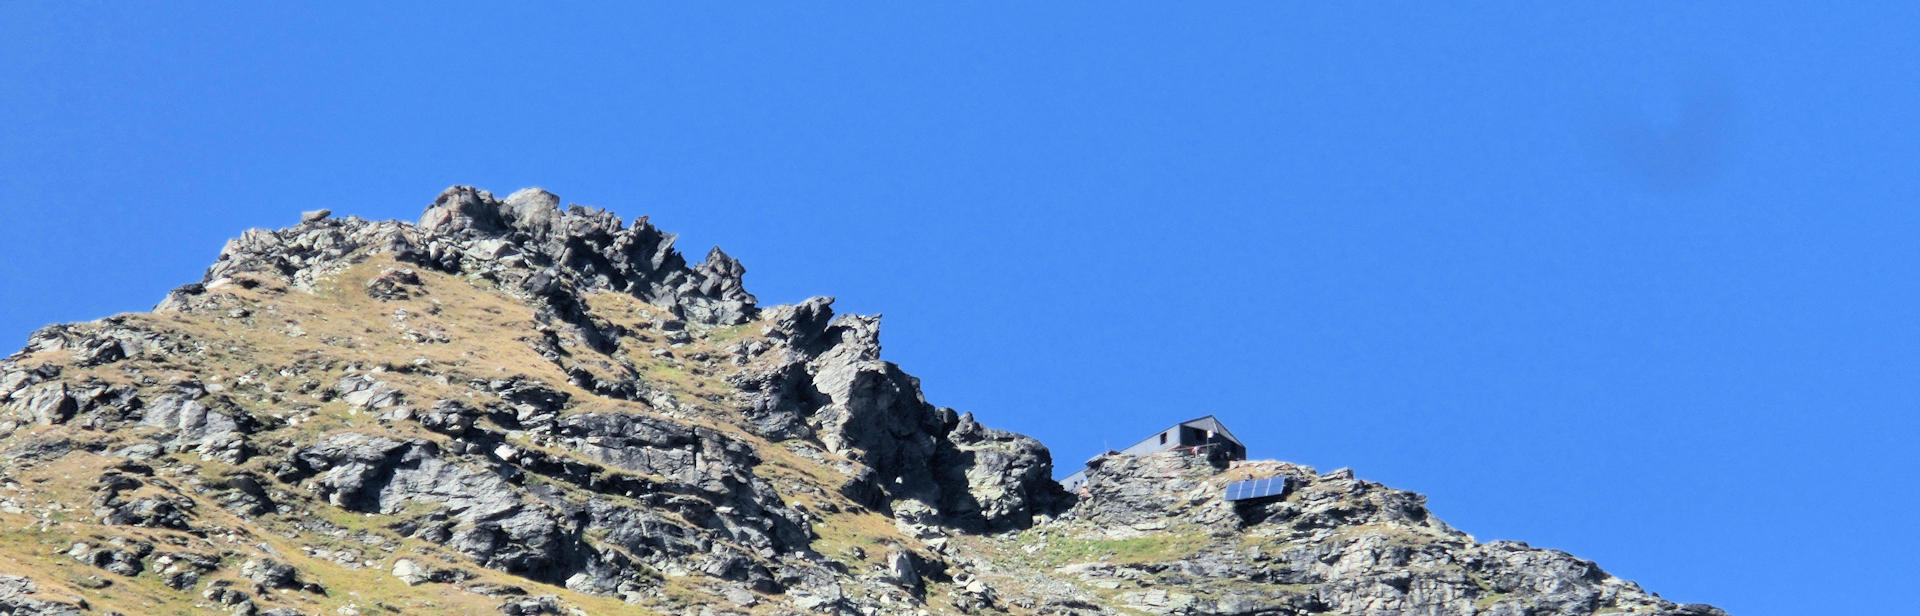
{"x":1208,"y":422}
{"x":1213,"y":423}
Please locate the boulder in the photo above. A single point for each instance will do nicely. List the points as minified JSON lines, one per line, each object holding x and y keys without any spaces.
{"x":268,"y":573}
{"x":410,"y":572}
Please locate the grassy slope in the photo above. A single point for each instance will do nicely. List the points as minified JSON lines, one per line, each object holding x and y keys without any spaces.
{"x":252,"y":349}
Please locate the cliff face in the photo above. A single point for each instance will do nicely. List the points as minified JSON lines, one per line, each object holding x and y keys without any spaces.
{"x":512,"y":408}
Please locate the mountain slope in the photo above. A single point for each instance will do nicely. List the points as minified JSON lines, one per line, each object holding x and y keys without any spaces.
{"x":509,"y":407}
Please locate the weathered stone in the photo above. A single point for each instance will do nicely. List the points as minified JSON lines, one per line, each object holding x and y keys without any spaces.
{"x":1007,"y":477}
{"x":394,"y":284}
{"x":245,"y":494}
{"x":150,"y":512}
{"x":367,"y":392}
{"x":126,"y":562}
{"x":270,"y":573}
{"x":190,"y":422}
{"x":48,"y":404}
{"x":534,"y":210}
{"x":222,"y":592}
{"x":410,"y":572}
{"x":902,"y":570}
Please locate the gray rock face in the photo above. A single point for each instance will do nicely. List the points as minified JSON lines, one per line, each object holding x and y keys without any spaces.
{"x":32,"y":402}
{"x":488,"y":521}
{"x":190,"y":422}
{"x":902,"y":569}
{"x":149,"y":511}
{"x":1147,"y":491}
{"x":927,"y":466}
{"x":1008,"y":477}
{"x":123,"y":558}
{"x":533,"y":209}
{"x":268,"y":573}
{"x":480,"y":514}
{"x":45,"y":405}
{"x":366,"y":392}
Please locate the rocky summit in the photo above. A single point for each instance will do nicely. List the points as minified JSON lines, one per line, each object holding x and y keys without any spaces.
{"x":510,"y":407}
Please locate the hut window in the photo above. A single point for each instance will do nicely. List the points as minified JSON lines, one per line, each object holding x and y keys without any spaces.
{"x":1163,"y":438}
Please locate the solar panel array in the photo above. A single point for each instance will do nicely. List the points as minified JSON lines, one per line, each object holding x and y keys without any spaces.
{"x":1257,"y":488}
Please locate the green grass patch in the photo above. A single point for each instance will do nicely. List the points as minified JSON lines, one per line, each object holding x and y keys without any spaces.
{"x":730,"y":333}
{"x":1062,"y":550}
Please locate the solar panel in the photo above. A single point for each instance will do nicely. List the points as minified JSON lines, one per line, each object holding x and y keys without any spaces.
{"x":1257,"y":488}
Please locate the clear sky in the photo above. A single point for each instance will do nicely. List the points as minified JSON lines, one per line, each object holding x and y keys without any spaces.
{"x":1636,"y":282}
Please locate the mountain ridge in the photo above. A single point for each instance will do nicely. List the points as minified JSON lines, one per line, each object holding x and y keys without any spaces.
{"x":514,"y":407}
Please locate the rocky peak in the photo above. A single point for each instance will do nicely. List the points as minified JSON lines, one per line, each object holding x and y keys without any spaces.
{"x":526,"y":241}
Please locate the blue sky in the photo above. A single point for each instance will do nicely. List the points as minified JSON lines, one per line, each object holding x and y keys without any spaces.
{"x":1634,"y":281}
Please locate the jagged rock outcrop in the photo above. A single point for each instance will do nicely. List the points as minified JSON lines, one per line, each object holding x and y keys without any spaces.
{"x":1008,"y":477}
{"x":925,"y":465}
{"x":525,"y":241}
{"x":510,"y":407}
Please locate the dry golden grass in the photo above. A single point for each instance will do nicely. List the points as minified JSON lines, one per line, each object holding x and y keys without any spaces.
{"x":275,"y":350}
